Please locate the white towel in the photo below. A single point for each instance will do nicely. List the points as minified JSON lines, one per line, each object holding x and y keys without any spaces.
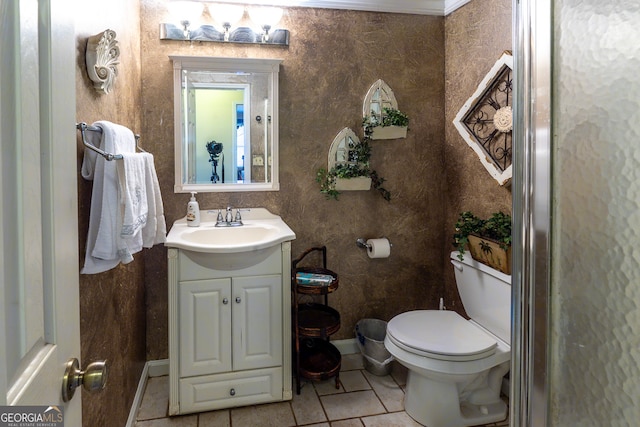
{"x":142,"y":221}
{"x":101,"y":254}
{"x":155,"y":230}
{"x":132,"y":190}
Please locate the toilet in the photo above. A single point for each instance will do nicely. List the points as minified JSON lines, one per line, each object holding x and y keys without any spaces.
{"x":456,"y":366}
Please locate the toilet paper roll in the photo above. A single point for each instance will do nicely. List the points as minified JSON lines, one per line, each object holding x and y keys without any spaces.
{"x":379,"y":248}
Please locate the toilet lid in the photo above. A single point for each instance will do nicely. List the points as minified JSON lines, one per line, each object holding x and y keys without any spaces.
{"x":440,"y":334}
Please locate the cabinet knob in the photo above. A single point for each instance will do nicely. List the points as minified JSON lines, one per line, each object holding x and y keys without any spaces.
{"x":238,"y":300}
{"x":232,"y":392}
{"x":225,"y":300}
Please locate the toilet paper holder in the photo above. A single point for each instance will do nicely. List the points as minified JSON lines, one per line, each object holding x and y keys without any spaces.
{"x":362,"y":243}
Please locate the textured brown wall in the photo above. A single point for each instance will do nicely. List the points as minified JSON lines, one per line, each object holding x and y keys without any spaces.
{"x":433,"y":174}
{"x":333,"y":59}
{"x":112,"y":304}
{"x":475,"y":37}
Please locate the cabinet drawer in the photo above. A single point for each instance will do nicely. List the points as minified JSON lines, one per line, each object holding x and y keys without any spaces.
{"x":230,"y":390}
{"x":197,"y":265}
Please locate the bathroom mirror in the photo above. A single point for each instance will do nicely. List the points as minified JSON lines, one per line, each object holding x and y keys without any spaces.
{"x":226,"y":124}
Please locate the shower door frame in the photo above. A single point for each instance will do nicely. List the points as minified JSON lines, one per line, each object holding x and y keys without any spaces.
{"x":529,"y":391}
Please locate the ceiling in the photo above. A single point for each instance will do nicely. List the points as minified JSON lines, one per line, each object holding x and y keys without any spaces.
{"x":417,"y":7}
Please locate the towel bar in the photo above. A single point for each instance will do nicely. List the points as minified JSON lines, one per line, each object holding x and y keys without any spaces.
{"x":82,"y":127}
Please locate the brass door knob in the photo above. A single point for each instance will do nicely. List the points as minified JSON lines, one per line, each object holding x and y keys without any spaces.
{"x":92,"y":379}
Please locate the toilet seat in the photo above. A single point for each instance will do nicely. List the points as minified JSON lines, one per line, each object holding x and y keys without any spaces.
{"x":440,"y":334}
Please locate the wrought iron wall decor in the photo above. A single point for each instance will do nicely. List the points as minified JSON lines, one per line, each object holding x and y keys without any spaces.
{"x":485,"y":121}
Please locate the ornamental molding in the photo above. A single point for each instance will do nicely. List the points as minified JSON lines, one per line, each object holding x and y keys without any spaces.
{"x":102,"y":59}
{"x":416,"y":7}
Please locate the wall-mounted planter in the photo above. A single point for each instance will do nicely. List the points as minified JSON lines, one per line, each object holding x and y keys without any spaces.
{"x":489,"y":252}
{"x":389,"y":132}
{"x":360,"y":183}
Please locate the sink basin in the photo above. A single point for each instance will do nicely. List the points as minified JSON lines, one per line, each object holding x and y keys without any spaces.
{"x":261,"y":230}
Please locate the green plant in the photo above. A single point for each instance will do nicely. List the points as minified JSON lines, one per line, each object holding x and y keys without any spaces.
{"x":358,"y":165}
{"x":389,"y":117}
{"x":394,"y":117}
{"x":497,"y":228}
{"x":327,"y":179}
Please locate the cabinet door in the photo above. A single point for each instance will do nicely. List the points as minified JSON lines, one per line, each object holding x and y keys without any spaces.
{"x":205,"y":327}
{"x":257,"y":322}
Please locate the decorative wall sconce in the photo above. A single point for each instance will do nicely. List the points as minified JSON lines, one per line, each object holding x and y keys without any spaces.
{"x":226,"y":16}
{"x":101,"y":58}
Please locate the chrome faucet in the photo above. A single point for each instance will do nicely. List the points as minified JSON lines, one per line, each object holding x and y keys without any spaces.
{"x":228,"y":220}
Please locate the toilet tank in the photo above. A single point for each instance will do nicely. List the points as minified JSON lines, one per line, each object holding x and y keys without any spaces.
{"x":485,"y":294}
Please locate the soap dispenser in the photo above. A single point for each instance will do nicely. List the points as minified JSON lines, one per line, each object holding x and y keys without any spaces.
{"x":193,"y":211}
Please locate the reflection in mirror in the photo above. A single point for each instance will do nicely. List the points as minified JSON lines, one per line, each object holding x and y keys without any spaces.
{"x":379,"y":96}
{"x":342,"y":150}
{"x":217,"y":149}
{"x":226,"y":128}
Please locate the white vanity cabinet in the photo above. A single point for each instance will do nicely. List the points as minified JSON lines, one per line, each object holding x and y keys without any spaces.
{"x":229,"y":328}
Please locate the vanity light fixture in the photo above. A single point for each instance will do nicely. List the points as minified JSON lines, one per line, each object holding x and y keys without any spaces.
{"x":225,"y":16}
{"x":267,"y":17}
{"x":187,"y":12}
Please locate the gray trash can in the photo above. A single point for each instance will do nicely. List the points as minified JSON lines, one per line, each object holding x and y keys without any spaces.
{"x":370,"y":335}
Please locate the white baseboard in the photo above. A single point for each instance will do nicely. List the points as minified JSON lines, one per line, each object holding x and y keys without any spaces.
{"x":158,"y":368}
{"x":153,"y":368}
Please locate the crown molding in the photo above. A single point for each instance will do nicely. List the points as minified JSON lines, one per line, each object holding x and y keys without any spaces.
{"x":415,"y":7}
{"x":451,"y":5}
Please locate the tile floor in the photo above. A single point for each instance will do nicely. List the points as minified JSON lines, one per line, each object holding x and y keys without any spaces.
{"x":363,"y":400}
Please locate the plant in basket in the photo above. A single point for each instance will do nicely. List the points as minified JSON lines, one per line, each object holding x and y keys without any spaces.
{"x":488,"y":240}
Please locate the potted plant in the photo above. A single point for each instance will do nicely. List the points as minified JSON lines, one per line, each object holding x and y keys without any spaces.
{"x":352,"y":175}
{"x":488,"y":240}
{"x":391,"y":124}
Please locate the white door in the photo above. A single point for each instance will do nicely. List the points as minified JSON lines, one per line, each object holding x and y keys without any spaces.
{"x":257,"y":322}
{"x":39,"y":326}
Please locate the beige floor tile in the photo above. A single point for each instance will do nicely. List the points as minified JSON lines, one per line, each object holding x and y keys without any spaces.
{"x":269,"y":415}
{"x":389,"y":393}
{"x":221,"y":418}
{"x":354,"y":422}
{"x":317,"y":402}
{"x":183,"y":421}
{"x":155,"y":400}
{"x":306,"y":406}
{"x":327,"y":387}
{"x":397,"y":419}
{"x":354,"y":381}
{"x":351,"y":405}
{"x":351,"y":362}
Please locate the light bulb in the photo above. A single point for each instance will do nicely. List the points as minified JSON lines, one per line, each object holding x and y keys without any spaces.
{"x":185,"y":10}
{"x":225,"y":13}
{"x":267,"y":17}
